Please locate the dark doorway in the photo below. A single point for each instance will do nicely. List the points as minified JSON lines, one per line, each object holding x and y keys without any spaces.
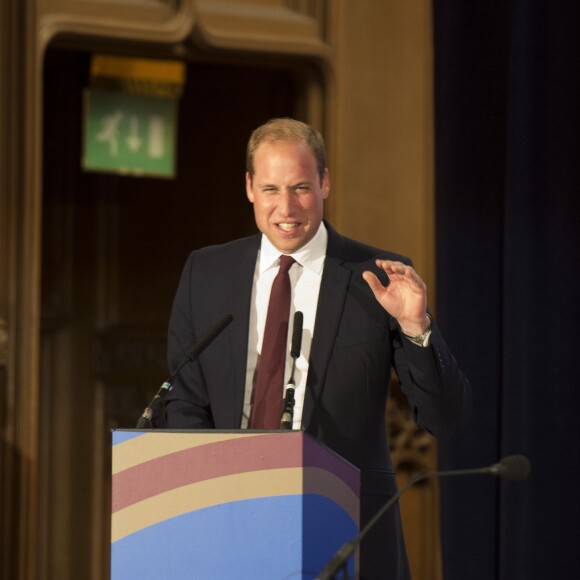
{"x":113,"y":249}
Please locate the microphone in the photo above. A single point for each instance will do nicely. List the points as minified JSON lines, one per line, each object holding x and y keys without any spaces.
{"x":511,"y":467}
{"x":297,"y":335}
{"x":296,"y":345}
{"x":145,"y":421}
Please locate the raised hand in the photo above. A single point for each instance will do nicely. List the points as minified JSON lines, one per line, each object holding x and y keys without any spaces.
{"x":404,"y":298}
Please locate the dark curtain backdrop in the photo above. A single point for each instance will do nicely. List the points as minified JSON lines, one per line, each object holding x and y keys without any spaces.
{"x":507,"y":94}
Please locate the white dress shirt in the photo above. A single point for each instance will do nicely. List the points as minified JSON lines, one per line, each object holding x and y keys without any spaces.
{"x":305,"y":276}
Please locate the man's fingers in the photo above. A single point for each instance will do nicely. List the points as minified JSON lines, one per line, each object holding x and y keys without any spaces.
{"x":372,"y":281}
{"x":392,"y":266}
{"x":400,"y":272}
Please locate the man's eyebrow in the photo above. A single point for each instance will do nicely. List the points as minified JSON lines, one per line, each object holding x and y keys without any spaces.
{"x":268,"y":185}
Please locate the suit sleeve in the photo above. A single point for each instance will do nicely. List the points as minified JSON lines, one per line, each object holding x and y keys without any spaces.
{"x":438,"y":393}
{"x":187,"y":405}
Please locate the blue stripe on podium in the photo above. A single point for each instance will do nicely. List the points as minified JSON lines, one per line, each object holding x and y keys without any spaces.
{"x":301,"y":533}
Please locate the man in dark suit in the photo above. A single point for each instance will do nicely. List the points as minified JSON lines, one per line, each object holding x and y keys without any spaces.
{"x":365,"y":311}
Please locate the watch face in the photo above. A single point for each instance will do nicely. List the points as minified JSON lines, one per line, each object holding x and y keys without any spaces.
{"x":422,"y":339}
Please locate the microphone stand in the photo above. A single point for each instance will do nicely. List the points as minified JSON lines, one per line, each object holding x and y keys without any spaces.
{"x":288,"y":412}
{"x":288,"y":408}
{"x":513,"y":467}
{"x":340,"y":560}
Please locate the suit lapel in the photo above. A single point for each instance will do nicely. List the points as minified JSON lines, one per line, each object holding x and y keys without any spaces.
{"x":333,"y":290}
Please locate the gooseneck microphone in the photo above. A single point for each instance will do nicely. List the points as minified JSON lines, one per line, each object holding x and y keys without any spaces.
{"x":288,"y":408}
{"x":145,"y":421}
{"x":512,"y":467}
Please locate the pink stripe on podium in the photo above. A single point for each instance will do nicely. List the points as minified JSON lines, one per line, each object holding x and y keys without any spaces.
{"x":236,"y":455}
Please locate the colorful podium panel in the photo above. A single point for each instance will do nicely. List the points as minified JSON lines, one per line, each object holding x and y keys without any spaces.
{"x":217,"y":505}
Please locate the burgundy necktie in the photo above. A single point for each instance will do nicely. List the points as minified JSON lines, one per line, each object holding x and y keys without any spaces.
{"x":267,"y":401}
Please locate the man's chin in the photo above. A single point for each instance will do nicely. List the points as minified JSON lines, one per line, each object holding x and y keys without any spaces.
{"x":287,"y":245}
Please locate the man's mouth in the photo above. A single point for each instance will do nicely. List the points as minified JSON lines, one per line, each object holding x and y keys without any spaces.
{"x":288,"y":227}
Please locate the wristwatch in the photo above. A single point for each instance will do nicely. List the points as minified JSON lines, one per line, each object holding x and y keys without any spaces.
{"x":422,"y":339}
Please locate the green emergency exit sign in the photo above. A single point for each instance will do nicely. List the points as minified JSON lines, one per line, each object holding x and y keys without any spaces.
{"x":129,"y":133}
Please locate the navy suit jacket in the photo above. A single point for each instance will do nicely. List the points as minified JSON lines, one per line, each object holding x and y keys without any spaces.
{"x":355,"y":345}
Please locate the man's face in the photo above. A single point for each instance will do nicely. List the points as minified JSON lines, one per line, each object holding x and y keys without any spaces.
{"x":287,"y":194}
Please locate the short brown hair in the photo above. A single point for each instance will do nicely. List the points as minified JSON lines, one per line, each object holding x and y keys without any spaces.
{"x":286,"y":129}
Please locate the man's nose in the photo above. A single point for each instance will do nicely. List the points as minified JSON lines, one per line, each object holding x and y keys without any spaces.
{"x":286,"y":202}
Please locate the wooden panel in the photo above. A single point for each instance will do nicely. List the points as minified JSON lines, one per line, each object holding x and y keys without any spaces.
{"x":19,"y":292}
{"x":384,"y":127}
{"x":382,"y":190}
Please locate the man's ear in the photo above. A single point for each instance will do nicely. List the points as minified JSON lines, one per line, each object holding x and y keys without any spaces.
{"x":326,"y":184}
{"x":249,"y":191}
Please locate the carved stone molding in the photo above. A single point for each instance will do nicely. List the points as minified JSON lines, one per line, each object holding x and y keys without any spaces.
{"x":167,"y":21}
{"x":293,"y":28}
{"x":269,"y":26}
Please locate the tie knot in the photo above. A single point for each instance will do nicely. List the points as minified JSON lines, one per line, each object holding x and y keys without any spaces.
{"x":286,"y":263}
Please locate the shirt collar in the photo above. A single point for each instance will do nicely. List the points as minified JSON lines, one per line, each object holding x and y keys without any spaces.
{"x":310,"y":256}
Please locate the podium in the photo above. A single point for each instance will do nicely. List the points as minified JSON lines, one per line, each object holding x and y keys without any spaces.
{"x":214,"y":505}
